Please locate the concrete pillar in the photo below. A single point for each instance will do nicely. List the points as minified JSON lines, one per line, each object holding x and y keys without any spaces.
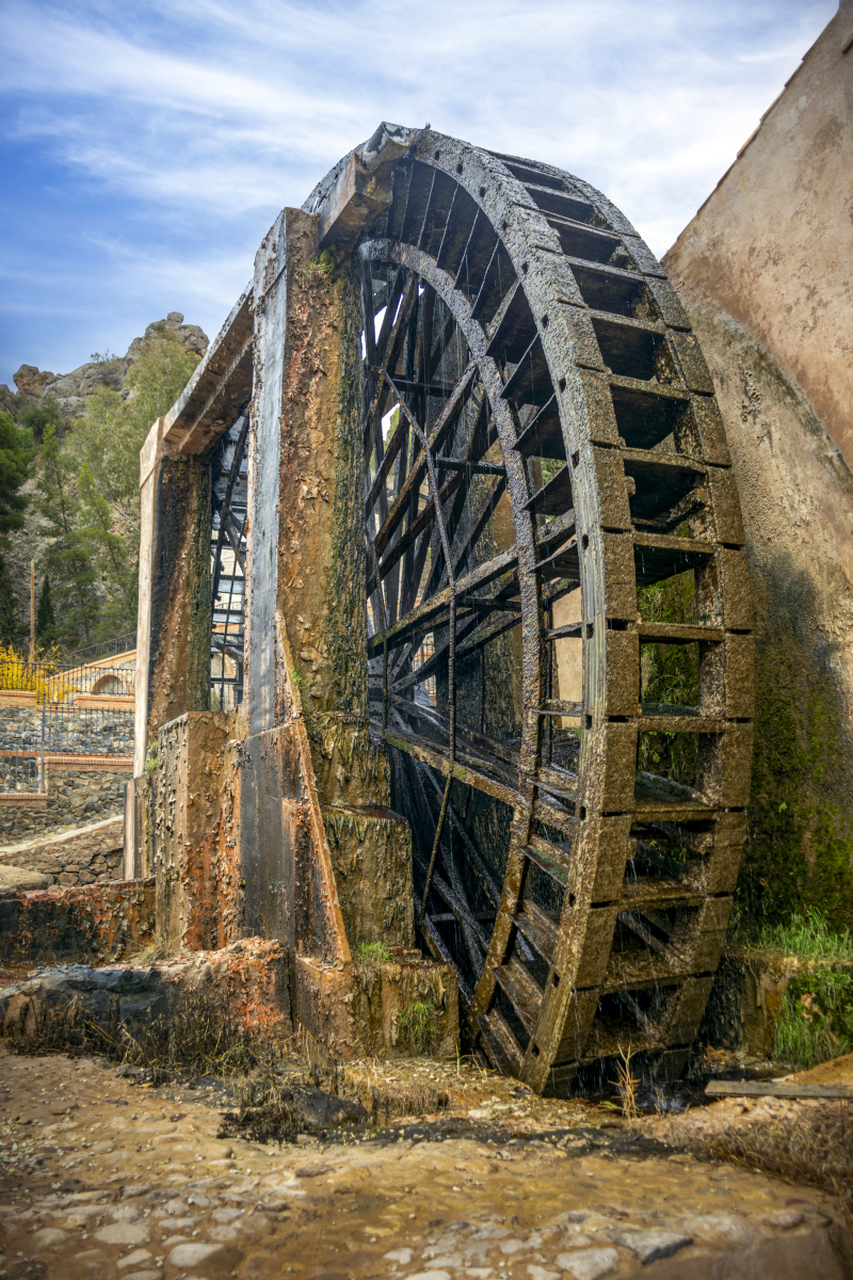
{"x":196,"y":864}
{"x":314,"y":790}
{"x":174,"y":619}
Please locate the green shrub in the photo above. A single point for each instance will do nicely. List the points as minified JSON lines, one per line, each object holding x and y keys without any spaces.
{"x":372,"y":953}
{"x":817,"y":1017}
{"x":418,"y":1023}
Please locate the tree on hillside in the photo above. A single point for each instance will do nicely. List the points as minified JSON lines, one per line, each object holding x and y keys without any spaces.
{"x":16,"y":452}
{"x":158,"y":377}
{"x":35,"y":417}
{"x":108,"y":439}
{"x":106,"y":444}
{"x":66,"y":558}
{"x":9,"y":634}
{"x":89,"y":491}
{"x":45,"y":617}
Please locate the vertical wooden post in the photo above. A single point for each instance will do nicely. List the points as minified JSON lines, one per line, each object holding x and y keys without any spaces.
{"x":32,"y":611}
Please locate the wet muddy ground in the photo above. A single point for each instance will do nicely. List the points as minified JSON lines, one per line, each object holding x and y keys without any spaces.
{"x":104,"y":1176}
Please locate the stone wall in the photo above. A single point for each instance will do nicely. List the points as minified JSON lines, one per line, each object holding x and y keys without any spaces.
{"x":87,"y":923}
{"x":92,"y":853}
{"x":248,"y":979}
{"x":75,"y":797}
{"x":69,"y":730}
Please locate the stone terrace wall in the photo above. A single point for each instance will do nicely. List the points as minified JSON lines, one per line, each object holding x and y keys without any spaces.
{"x":75,"y":797}
{"x":94,"y":853}
{"x":69,"y":730}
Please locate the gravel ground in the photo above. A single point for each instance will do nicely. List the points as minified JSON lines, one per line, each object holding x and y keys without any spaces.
{"x":104,"y":1177}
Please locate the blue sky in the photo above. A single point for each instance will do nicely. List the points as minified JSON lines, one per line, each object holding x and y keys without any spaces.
{"x":147,"y":148}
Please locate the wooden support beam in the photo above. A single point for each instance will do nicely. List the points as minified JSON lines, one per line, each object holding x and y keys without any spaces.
{"x":776,"y":1089}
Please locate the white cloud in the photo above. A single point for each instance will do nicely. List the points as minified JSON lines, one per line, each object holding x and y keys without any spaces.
{"x":209,"y":116}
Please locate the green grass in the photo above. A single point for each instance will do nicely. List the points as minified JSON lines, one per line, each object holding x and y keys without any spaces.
{"x":372,"y":953}
{"x":816,"y":1020}
{"x":418,"y":1023}
{"x":808,"y":936}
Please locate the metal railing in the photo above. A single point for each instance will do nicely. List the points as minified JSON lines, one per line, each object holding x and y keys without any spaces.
{"x":93,"y":652}
{"x":72,"y":730}
{"x":53,"y":713}
{"x":57,"y":682}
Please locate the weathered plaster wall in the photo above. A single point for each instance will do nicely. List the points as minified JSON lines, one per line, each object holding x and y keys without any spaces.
{"x":765,"y":272}
{"x":773,"y":244}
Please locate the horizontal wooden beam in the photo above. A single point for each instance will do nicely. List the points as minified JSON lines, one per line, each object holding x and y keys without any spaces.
{"x":775,"y":1089}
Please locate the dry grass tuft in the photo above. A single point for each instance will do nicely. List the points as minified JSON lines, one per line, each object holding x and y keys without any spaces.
{"x":626,"y":1082}
{"x":156,"y":949}
{"x":383,"y":1098}
{"x":64,"y":1028}
{"x":265,"y":1106}
{"x":812,"y":1147}
{"x":198,"y":1036}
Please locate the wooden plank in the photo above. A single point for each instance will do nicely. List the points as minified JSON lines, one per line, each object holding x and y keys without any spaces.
{"x":776,"y":1089}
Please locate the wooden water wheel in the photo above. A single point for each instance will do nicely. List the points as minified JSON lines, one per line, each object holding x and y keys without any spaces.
{"x":559,"y":611}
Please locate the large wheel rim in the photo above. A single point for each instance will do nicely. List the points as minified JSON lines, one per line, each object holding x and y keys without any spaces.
{"x":592,"y":923}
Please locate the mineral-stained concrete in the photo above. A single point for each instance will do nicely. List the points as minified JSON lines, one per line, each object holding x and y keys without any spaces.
{"x":192,"y":843}
{"x":89,"y":923}
{"x":274,"y":820}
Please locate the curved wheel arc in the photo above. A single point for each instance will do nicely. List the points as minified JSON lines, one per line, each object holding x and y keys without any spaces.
{"x":569,"y":470}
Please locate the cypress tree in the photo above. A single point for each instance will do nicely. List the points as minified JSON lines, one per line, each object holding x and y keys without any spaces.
{"x":8,"y":611}
{"x":45,"y":617}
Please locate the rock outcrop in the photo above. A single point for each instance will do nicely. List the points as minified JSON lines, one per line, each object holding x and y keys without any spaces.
{"x":72,"y":390}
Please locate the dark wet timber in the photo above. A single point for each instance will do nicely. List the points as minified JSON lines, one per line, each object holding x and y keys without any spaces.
{"x":538,"y":421}
{"x":228,"y":562}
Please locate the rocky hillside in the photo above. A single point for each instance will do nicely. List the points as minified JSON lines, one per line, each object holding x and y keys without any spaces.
{"x":71,"y":392}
